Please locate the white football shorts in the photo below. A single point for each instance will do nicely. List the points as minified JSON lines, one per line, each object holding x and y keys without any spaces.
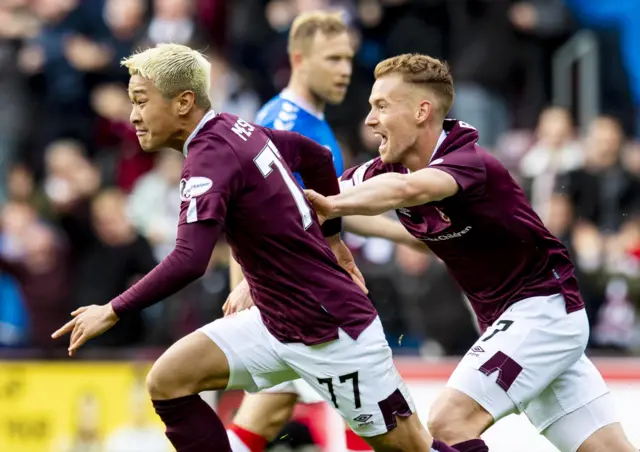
{"x":357,"y":377}
{"x":532,"y":361}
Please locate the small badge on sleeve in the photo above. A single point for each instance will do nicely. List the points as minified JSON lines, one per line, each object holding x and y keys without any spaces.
{"x":194,"y":187}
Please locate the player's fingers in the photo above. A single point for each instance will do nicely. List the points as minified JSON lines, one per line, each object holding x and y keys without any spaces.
{"x":79,"y":342}
{"x":311,"y":195}
{"x":359,"y":283}
{"x":358,"y":273}
{"x":225,"y":307}
{"x":67,"y":328}
{"x":79,"y":311}
{"x":77,"y":332}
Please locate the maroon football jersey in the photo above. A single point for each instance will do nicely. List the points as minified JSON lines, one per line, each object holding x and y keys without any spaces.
{"x":487,"y":234}
{"x":240,"y":175}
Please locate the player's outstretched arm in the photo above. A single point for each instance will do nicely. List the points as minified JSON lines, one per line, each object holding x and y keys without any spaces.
{"x":314,"y":163}
{"x":186,"y":263}
{"x":384,"y":228}
{"x":386,"y":192}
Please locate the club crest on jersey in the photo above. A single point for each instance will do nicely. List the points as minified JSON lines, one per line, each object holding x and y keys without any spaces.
{"x":195,"y":186}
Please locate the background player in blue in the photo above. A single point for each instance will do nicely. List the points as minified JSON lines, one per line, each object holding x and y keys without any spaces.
{"x":320,"y":52}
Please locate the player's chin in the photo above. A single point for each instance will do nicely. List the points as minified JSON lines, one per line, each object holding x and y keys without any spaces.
{"x":147,"y":144}
{"x":336,"y":99}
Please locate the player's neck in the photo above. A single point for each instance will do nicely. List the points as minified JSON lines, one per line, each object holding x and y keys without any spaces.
{"x":188,"y":125}
{"x":301,"y":90}
{"x":421,"y":153}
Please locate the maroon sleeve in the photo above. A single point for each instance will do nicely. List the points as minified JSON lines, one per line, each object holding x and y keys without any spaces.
{"x":186,"y":263}
{"x":210,"y":178}
{"x":465,"y":166}
{"x":314,"y":163}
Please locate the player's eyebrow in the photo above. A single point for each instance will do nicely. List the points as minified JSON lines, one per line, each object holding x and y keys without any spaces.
{"x":137,"y":91}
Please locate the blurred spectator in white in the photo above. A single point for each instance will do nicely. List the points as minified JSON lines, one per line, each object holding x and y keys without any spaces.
{"x":230,"y":91}
{"x":154,"y":204}
{"x":174,"y":21}
{"x":71,"y":178}
{"x":554,"y":153}
{"x":603,"y":192}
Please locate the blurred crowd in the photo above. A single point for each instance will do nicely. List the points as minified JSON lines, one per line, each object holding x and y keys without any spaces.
{"x":84,"y":212}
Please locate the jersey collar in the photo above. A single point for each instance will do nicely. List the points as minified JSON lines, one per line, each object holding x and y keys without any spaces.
{"x":443,"y":136}
{"x":209,"y":115}
{"x":290,"y":96}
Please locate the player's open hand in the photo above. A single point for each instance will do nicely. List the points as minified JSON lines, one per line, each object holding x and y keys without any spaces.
{"x":87,"y":323}
{"x":238,"y":300}
{"x":321,"y":204}
{"x":346,"y":261}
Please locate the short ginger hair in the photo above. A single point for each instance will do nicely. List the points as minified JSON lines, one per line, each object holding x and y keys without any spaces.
{"x":422,"y":70}
{"x":305,"y":27}
{"x":174,"y":68}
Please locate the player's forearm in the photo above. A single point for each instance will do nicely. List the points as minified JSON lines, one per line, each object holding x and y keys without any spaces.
{"x":186,"y":263}
{"x":382,"y":227}
{"x":374,"y":196}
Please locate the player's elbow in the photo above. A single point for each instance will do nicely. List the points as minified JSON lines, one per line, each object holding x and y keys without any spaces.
{"x":191,"y":264}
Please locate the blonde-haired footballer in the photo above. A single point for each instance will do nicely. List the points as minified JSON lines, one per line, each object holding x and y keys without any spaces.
{"x":311,"y":320}
{"x":520,"y":280}
{"x":320,"y":52}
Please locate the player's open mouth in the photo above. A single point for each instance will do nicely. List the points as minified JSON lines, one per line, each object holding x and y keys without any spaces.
{"x":383,"y":139}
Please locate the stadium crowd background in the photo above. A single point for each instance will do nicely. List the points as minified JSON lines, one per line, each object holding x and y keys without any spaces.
{"x":83,"y":212}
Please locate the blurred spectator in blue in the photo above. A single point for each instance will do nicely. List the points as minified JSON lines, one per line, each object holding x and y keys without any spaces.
{"x":624,"y":15}
{"x":39,"y":264}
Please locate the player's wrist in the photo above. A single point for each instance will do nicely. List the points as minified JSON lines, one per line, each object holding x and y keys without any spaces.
{"x":115,"y":308}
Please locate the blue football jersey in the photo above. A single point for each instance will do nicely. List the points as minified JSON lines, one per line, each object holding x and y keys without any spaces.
{"x":286,"y":112}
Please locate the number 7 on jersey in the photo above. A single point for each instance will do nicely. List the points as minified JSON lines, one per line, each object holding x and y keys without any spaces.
{"x":269,"y":158}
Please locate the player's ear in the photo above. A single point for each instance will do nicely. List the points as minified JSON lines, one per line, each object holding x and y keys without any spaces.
{"x":296,"y":58}
{"x":186,"y":101}
{"x":423,"y":111}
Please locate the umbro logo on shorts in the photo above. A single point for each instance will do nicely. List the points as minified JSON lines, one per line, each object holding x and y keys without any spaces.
{"x":363,"y":418}
{"x":476,"y":350}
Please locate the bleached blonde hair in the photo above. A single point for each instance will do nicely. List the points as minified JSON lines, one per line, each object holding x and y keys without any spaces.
{"x":173,"y":68}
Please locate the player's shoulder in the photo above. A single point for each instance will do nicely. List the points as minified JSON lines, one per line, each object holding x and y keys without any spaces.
{"x":281,"y":113}
{"x":223,"y":137}
{"x":459,"y":143}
